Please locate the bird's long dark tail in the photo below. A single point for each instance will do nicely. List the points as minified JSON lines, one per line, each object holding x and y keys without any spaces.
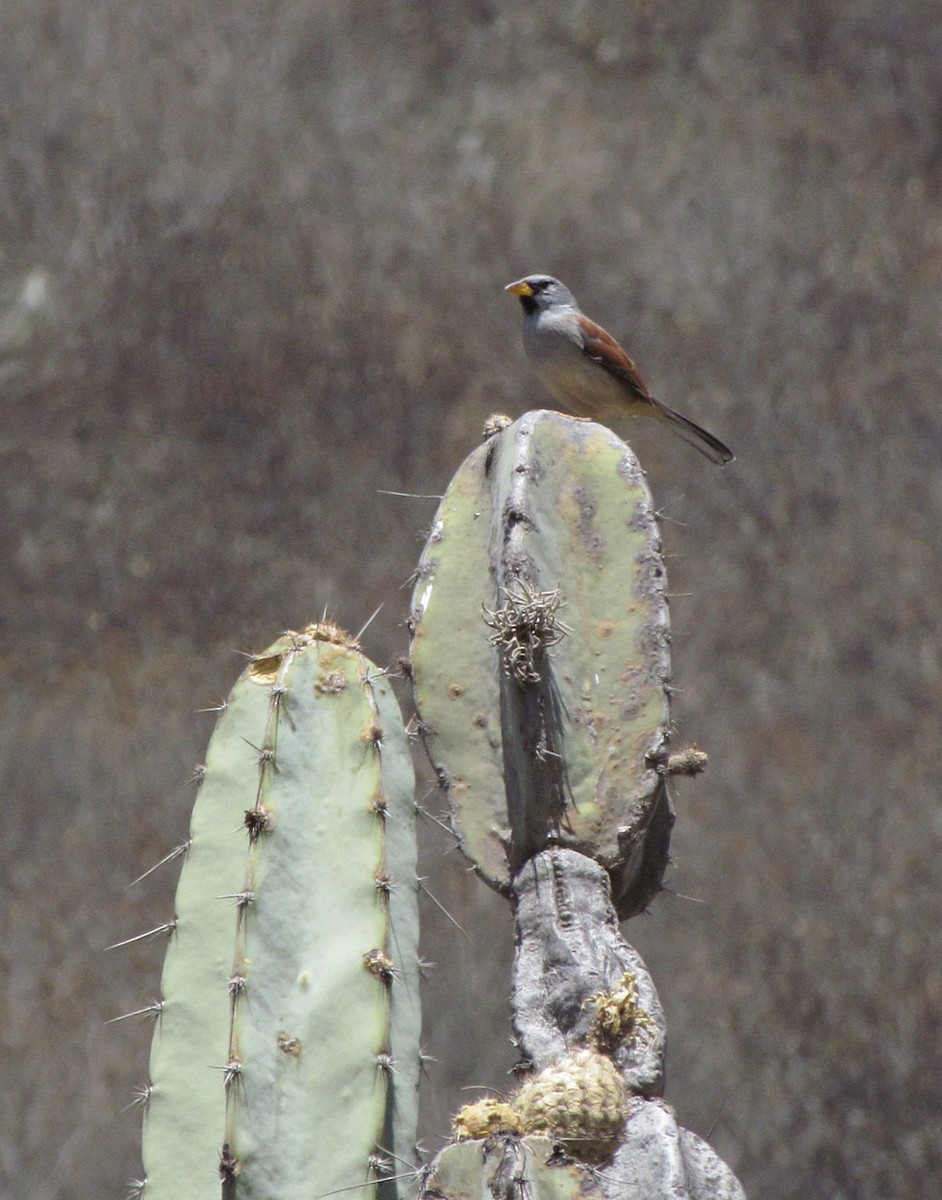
{"x":708,"y":445}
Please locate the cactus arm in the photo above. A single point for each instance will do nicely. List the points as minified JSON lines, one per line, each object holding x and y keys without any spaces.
{"x":286,"y":1055}
{"x":184,"y":1116}
{"x":550,"y":512}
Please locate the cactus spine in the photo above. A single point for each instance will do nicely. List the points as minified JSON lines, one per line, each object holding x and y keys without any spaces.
{"x":286,"y":1056}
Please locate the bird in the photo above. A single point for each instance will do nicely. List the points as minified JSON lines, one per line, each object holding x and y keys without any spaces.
{"x":584,"y":368}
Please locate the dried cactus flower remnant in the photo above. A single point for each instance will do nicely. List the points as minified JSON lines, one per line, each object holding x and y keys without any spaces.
{"x":525,"y":626}
{"x":619,"y":1017}
{"x":484,"y":1118}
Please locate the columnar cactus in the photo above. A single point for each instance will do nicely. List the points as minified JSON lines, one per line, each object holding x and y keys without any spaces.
{"x":286,"y":1056}
{"x":540,"y":655}
{"x":540,"y":670}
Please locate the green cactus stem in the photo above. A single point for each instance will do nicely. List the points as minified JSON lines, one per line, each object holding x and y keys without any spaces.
{"x":658,"y":1160}
{"x":511,"y":1166}
{"x":540,"y":655}
{"x":285,"y":1059}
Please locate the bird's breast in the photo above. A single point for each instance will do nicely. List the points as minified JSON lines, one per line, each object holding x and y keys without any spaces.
{"x":571,"y":377}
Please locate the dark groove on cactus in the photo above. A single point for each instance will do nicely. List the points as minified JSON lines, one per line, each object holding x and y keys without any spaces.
{"x":535,"y":775}
{"x":228,"y":1172}
{"x":645,"y":851}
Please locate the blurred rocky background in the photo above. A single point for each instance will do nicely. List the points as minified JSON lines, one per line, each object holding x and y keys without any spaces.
{"x":251,"y":259}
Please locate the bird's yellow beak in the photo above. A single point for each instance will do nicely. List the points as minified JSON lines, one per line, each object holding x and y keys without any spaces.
{"x":520,"y":288}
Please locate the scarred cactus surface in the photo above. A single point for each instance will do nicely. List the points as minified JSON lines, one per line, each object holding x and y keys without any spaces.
{"x":540,"y":655}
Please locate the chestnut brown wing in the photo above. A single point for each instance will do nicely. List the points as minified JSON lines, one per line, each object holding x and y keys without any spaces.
{"x":602,"y":348}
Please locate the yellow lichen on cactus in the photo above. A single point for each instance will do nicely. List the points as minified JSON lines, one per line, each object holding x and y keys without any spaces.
{"x":619,"y":1017}
{"x":484,"y":1118}
{"x":327,"y":631}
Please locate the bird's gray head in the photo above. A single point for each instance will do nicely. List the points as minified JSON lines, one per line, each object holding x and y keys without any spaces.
{"x":538,"y":293}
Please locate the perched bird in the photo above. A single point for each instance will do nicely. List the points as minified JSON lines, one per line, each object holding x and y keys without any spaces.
{"x":585,"y":369}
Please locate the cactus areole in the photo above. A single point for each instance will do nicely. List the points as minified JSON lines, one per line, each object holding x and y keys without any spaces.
{"x":540,"y":655}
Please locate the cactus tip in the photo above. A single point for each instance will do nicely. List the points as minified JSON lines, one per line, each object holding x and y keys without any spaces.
{"x":495,"y":423}
{"x":327,"y":631}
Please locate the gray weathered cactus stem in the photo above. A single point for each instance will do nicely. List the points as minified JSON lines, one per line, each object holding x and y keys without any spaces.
{"x":568,"y":954}
{"x":568,"y":950}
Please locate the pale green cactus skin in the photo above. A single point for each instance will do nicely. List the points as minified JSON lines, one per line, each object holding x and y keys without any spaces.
{"x":278,"y":1053}
{"x":510,"y":1166}
{"x":551,"y":504}
{"x":658,"y":1160}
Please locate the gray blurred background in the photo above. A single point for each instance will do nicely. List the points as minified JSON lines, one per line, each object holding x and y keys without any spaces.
{"x":251,"y":259}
